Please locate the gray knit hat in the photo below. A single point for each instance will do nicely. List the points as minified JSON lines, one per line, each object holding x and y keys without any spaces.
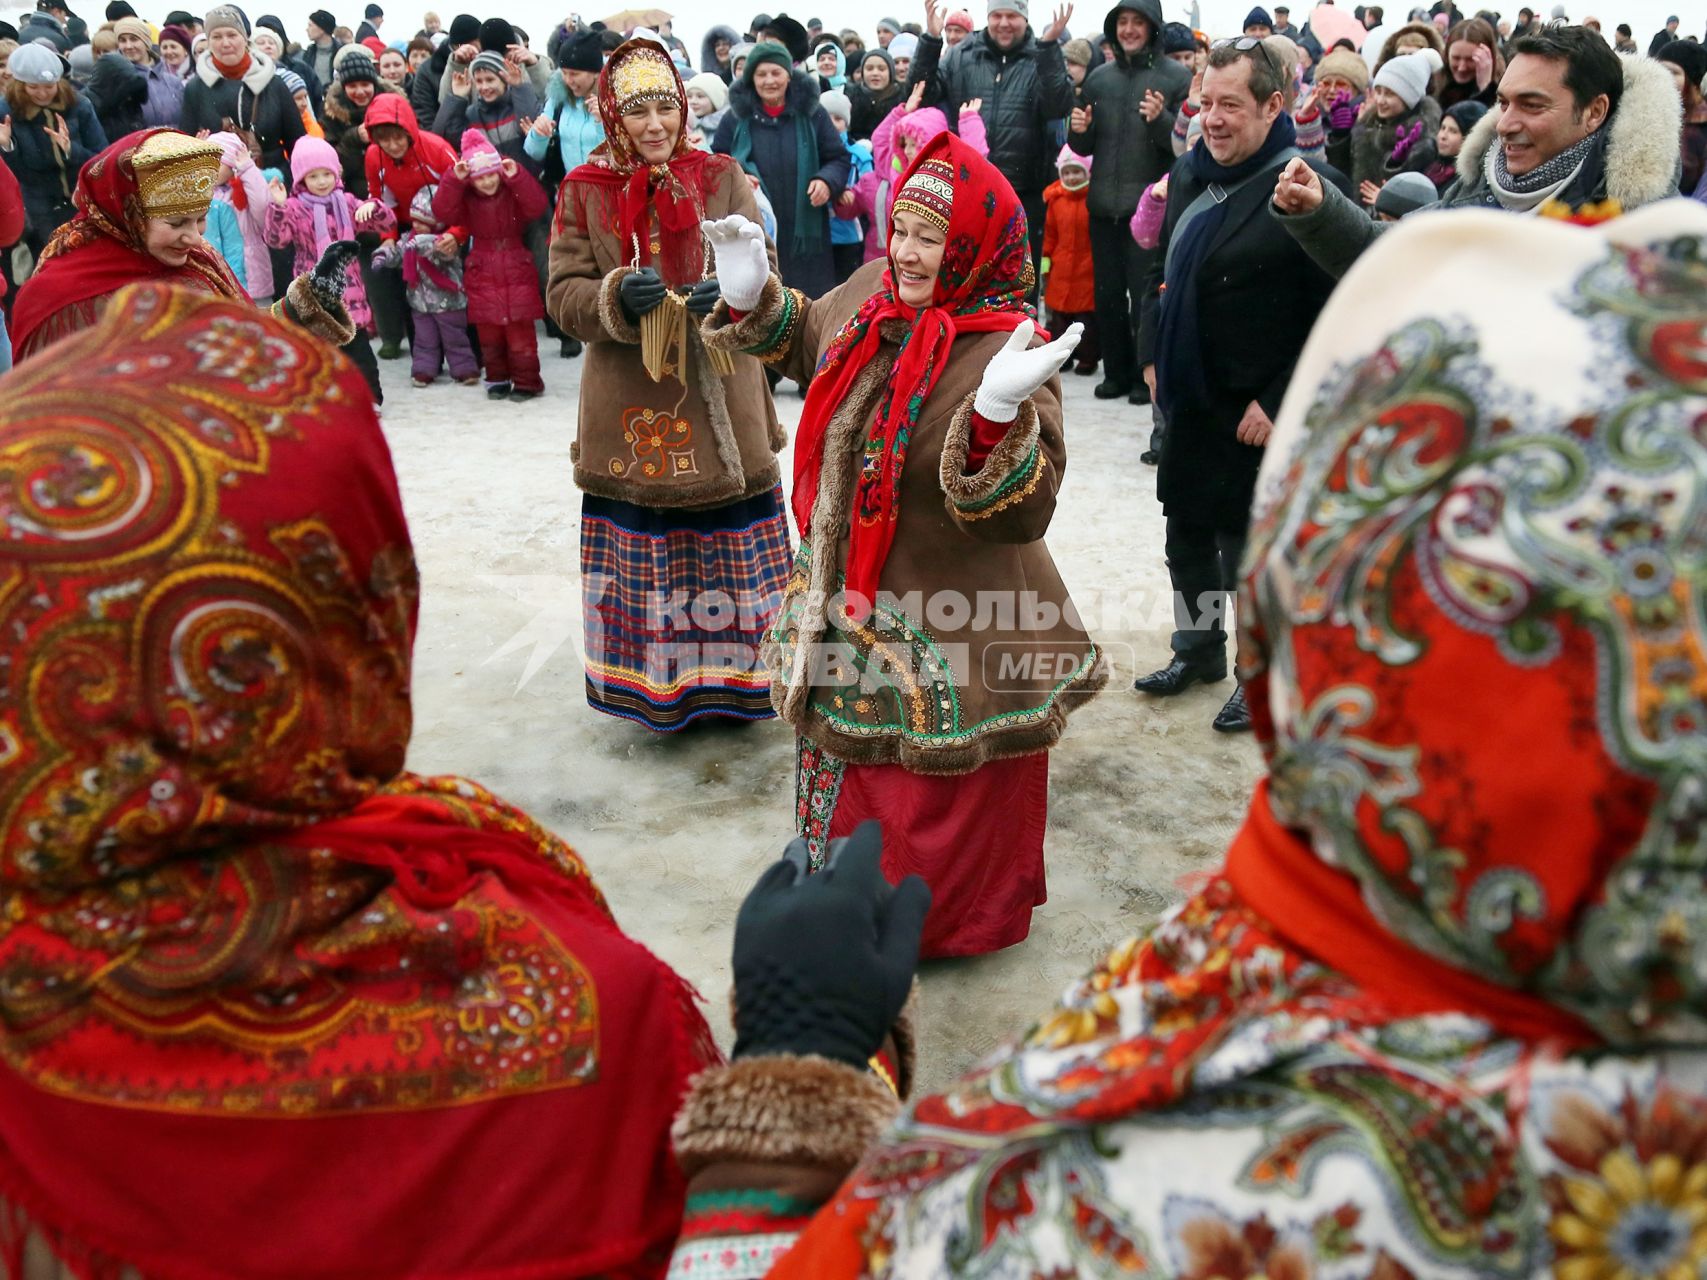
{"x":226,"y":15}
{"x":1405,"y":193}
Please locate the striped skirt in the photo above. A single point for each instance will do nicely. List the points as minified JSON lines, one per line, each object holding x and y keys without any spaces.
{"x":677,"y":604}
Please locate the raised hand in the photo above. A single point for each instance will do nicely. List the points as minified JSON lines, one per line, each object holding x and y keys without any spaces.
{"x":1057,"y":25}
{"x":459,"y":83}
{"x":1081,"y":120}
{"x":1298,"y":189}
{"x":1152,"y":105}
{"x":542,"y":126}
{"x":971,"y":107}
{"x":935,"y":13}
{"x":366,"y":209}
{"x":738,"y":245}
{"x":1484,"y":58}
{"x":914,"y":98}
{"x":1367,"y":191}
{"x":276,"y":191}
{"x":1017,"y":370}
{"x":509,"y":167}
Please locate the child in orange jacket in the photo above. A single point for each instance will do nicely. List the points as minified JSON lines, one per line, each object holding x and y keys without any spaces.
{"x":1069,"y":285}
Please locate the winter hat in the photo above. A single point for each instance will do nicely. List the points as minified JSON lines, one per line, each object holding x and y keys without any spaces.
{"x":291,"y":81}
{"x":1078,"y":52}
{"x":137,"y":27}
{"x":1178,"y":38}
{"x":172,"y":31}
{"x":421,"y":207}
{"x":1466,"y":115}
{"x":1436,"y":63}
{"x":357,"y":67}
{"x":309,"y":154}
{"x":889,"y":62}
{"x":1009,"y":6}
{"x":373,"y":11}
{"x":464,"y":29}
{"x":889,"y":25}
{"x":35,"y":63}
{"x":905,"y":45}
{"x":229,"y":145}
{"x":765,"y":51}
{"x":478,"y":154}
{"x":1688,"y":55}
{"x":267,"y":41}
{"x":1405,"y":193}
{"x":497,"y":36}
{"x":1069,"y":156}
{"x":487,"y":60}
{"x":1407,"y":75}
{"x":585,"y":52}
{"x":323,"y":19}
{"x":835,"y":103}
{"x":920,"y":127}
{"x":961,"y":18}
{"x":1258,"y":17}
{"x":711,"y":85}
{"x":1347,"y":66}
{"x":117,"y":9}
{"x":346,"y":53}
{"x":226,"y":15}
{"x":737,"y":51}
{"x":791,"y":35}
{"x":374,"y":45}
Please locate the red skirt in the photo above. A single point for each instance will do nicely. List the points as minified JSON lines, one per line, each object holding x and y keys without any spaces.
{"x":975,"y":838}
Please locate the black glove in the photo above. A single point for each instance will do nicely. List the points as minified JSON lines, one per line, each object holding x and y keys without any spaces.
{"x":823,"y":963}
{"x":704,"y":297}
{"x":640,"y":291}
{"x":330,"y":276}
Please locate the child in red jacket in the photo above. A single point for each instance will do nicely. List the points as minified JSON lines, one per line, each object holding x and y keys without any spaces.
{"x":11,"y":231}
{"x":1070,"y":287}
{"x":494,"y":199}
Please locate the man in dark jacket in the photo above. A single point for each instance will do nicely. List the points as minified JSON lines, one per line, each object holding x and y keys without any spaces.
{"x":1022,"y":82}
{"x":321,"y":51}
{"x":424,"y":93}
{"x":1664,"y":36}
{"x":1127,"y":125}
{"x":43,"y":25}
{"x":1219,"y":346}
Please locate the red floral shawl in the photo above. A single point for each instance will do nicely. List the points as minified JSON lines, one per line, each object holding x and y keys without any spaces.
{"x":273,"y":1005}
{"x":101,"y":250}
{"x":627,"y":192}
{"x":985,"y":276}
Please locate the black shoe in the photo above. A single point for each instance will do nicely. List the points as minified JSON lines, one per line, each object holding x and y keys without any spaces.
{"x":518,"y":393}
{"x":1109,"y":389}
{"x":1085,"y":370}
{"x":391,"y":351}
{"x":498,"y":391}
{"x":1234,"y":716}
{"x":1149,"y":457}
{"x":1139,"y":394}
{"x":1183,"y":672}
{"x":569,"y":348}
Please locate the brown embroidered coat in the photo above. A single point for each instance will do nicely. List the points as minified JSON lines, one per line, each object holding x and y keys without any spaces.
{"x":657,"y":444}
{"x":947,"y":675}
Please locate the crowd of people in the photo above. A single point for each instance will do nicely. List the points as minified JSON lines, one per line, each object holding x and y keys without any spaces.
{"x":1438,"y":1014}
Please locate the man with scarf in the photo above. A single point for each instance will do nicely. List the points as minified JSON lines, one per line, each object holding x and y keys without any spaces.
{"x":1576,"y":126}
{"x":1228,"y":305}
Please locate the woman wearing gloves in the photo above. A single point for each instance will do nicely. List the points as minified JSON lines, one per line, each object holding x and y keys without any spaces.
{"x":679,"y":475}
{"x":927,"y":653}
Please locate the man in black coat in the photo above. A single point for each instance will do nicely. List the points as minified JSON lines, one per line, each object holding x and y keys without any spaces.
{"x":1230,"y":301}
{"x":1020,"y":79}
{"x":1127,"y":125}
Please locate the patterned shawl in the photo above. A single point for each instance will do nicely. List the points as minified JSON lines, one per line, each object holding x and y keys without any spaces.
{"x":266,"y":995}
{"x":985,"y":276}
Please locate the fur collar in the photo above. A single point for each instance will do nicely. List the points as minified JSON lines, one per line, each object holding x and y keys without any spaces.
{"x":1641,"y":143}
{"x":340,"y":108}
{"x":256,"y":78}
{"x":802,"y":96}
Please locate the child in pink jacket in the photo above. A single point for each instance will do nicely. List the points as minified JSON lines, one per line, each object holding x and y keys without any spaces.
{"x":894,"y":143}
{"x":317,"y":210}
{"x":242,"y":186}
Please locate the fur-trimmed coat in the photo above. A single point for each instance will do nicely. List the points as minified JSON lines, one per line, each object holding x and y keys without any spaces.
{"x":1636,"y":161}
{"x":732,"y":434}
{"x":258,"y":102}
{"x":968,"y":566}
{"x":341,"y":120}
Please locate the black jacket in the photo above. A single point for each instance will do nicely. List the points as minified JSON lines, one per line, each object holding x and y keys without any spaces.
{"x":342,"y":121}
{"x":1130,"y":152}
{"x":1258,"y":295}
{"x":259,"y":101}
{"x":1025,"y":90}
{"x":424,"y":94}
{"x":775,"y":161}
{"x":117,"y":89}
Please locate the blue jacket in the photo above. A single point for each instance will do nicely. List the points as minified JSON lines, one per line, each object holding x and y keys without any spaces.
{"x":579,"y":129}
{"x":849,"y":230}
{"x":224,"y":234}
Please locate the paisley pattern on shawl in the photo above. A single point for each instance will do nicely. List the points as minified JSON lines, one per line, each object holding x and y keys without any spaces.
{"x":1375,"y":1073}
{"x":226,"y":904}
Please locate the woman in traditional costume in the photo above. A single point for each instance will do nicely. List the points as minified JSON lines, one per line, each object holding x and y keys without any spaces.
{"x":1441,"y":1014}
{"x":684,"y":541}
{"x":274,"y":1006}
{"x":929,"y":457}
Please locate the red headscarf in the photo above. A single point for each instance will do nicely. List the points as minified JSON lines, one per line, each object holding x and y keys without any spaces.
{"x":102,"y":249}
{"x":266,"y":995}
{"x":627,"y":191}
{"x":981,"y":288}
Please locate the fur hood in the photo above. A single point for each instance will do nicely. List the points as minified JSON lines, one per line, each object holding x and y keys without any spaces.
{"x":1642,"y":147}
{"x":260,"y":74}
{"x":802,"y":97}
{"x":339,"y":107}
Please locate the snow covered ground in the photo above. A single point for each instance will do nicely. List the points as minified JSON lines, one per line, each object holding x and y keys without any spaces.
{"x":1143,"y":793}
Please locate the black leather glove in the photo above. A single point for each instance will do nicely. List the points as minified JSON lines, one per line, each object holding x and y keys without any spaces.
{"x":330,"y":276}
{"x":640,"y":291}
{"x":823,"y":963}
{"x":704,"y":297}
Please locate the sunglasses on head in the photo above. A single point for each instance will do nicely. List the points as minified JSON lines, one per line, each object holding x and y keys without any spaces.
{"x":1244,"y":44}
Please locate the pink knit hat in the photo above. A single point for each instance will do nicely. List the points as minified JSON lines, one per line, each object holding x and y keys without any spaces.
{"x":310,"y":154}
{"x":479,"y":155}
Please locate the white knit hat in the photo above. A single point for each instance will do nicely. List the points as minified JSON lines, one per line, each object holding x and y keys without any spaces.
{"x":1407,"y":76}
{"x":905,"y":45}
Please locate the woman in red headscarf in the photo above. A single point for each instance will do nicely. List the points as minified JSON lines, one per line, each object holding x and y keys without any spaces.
{"x":927,"y":654}
{"x":274,"y":1006}
{"x":684,"y":541}
{"x":141,"y":205}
